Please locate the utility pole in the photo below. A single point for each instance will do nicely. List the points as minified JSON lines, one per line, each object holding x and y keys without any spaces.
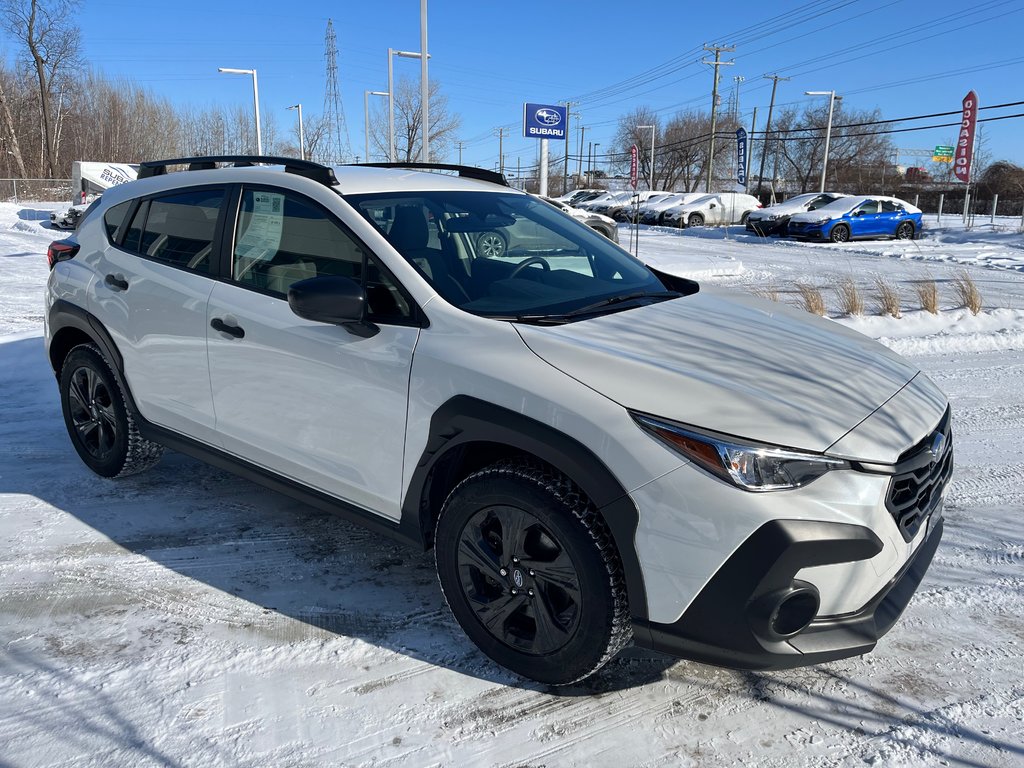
{"x":568,"y":119}
{"x":764,"y":148}
{"x":590,"y":160}
{"x":734,"y":106}
{"x":460,"y":143}
{"x":579,"y":151}
{"x":718,"y":50}
{"x":501,"y":150}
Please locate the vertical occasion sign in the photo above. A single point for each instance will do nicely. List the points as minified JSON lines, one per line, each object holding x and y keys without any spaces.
{"x":965,"y":141}
{"x":633,"y":153}
{"x":741,"y":157}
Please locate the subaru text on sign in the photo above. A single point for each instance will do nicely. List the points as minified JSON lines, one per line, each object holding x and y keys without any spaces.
{"x":544,"y":121}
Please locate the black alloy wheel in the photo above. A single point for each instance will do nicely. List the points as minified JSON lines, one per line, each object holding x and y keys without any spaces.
{"x":91,"y":407}
{"x":905,"y":231}
{"x":519,"y":580}
{"x":98,"y":421}
{"x":840,"y":233}
{"x":528,"y":569}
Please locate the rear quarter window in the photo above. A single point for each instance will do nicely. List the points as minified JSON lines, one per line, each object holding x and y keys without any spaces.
{"x":113,"y":219}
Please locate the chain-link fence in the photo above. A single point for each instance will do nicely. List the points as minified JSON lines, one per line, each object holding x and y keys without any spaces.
{"x":41,"y":190}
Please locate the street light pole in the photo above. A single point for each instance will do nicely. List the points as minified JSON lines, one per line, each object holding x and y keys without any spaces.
{"x":391,"y":96}
{"x":424,"y":89}
{"x":302,"y":138}
{"x":366,"y":120}
{"x":832,"y":99}
{"x":255,"y":100}
{"x":650,"y":178}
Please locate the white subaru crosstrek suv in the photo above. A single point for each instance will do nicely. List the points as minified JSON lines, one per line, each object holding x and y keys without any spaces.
{"x":598,"y":452}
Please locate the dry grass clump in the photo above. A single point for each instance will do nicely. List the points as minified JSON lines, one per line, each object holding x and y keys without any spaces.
{"x":967,"y":292}
{"x":928,"y":295}
{"x":811,"y":299}
{"x":769,"y":291}
{"x":888,"y":297}
{"x":850,"y":300}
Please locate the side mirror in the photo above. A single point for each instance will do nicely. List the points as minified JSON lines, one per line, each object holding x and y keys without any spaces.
{"x":712,"y":205}
{"x":330,"y":299}
{"x":859,"y":213}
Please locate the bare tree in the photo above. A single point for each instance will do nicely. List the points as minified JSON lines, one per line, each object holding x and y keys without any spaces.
{"x":680,"y":151}
{"x":856,"y":154}
{"x":409,"y":118}
{"x":10,"y":142}
{"x":51,"y":41}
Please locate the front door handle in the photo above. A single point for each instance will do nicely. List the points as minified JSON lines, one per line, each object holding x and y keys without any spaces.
{"x":116,"y":282}
{"x":231,"y":330}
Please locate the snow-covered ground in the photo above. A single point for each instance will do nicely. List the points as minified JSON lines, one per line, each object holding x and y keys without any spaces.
{"x":188,"y":617}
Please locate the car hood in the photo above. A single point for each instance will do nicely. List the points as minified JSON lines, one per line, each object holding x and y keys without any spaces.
{"x":730,"y":363}
{"x":818,"y":215}
{"x":779,"y":210}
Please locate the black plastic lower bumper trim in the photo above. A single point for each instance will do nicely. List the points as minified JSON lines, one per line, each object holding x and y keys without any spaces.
{"x":716,"y":628}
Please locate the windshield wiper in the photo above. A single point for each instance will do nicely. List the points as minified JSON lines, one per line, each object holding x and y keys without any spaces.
{"x":613,"y":300}
{"x":560,"y":319}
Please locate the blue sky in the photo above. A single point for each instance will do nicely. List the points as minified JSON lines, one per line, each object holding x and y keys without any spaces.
{"x":904,"y":57}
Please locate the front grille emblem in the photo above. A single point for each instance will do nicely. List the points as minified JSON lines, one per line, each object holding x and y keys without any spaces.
{"x":935,"y":449}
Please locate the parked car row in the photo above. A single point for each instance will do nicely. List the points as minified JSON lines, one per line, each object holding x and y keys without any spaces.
{"x":823,"y":216}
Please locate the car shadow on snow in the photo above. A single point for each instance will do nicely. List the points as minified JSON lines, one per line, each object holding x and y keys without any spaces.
{"x":282,"y":571}
{"x":885,"y":715}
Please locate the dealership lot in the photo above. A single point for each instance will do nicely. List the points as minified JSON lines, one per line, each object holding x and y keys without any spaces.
{"x":186,"y":616}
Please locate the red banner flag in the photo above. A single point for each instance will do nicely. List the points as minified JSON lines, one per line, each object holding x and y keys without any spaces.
{"x":965,"y":141}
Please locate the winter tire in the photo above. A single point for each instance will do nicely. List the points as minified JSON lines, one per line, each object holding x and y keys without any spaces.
{"x":840,"y":233}
{"x":905,"y":231}
{"x":99,"y":423}
{"x":529,"y":571}
{"x":491,"y":245}
{"x":695,"y":220}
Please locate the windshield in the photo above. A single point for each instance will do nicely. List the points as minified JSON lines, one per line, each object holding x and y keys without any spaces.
{"x":508,"y":255}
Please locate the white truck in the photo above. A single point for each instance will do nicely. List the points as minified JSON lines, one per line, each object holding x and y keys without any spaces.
{"x":88,"y":181}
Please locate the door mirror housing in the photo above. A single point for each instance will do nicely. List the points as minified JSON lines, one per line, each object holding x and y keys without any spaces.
{"x":331,"y":299}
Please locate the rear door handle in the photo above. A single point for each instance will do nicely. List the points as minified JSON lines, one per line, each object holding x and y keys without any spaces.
{"x":116,"y":282}
{"x":231,"y":330}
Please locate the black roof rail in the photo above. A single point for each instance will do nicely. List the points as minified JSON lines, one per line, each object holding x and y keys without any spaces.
{"x":307,"y":168}
{"x":466,"y":171}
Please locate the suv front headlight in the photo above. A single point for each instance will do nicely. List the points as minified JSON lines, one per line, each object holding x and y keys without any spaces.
{"x":749,"y":466}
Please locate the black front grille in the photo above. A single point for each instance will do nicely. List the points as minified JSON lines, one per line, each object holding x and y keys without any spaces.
{"x":914,"y":493}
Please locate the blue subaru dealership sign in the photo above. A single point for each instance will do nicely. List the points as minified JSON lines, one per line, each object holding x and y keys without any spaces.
{"x":544,"y":121}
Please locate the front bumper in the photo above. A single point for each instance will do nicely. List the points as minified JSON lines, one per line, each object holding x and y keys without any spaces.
{"x":728,"y":624}
{"x":806,"y":231}
{"x":765,"y":227}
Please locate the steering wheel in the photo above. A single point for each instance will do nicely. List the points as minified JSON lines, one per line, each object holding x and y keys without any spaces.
{"x":527,"y":262}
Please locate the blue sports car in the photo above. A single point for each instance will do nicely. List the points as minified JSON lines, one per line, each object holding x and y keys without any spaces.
{"x":861,"y":216}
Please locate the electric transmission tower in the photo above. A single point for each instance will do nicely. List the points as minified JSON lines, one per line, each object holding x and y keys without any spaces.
{"x":339,"y":148}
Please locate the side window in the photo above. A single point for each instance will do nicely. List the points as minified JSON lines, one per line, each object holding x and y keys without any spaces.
{"x":888,"y":206}
{"x":282,"y":238}
{"x":177,"y":230}
{"x":114,"y":218}
{"x":867,"y":207}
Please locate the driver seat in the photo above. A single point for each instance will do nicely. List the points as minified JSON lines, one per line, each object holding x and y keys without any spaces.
{"x":409,"y":234}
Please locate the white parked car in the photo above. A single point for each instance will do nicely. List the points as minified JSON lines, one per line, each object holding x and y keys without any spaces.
{"x":603,"y":224}
{"x":604,"y":200}
{"x":774,"y":219}
{"x":652,"y":212}
{"x":718,"y":208}
{"x":599,"y":453}
{"x":623,"y":211}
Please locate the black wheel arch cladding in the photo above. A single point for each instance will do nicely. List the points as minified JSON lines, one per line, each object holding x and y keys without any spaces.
{"x":465,"y":420}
